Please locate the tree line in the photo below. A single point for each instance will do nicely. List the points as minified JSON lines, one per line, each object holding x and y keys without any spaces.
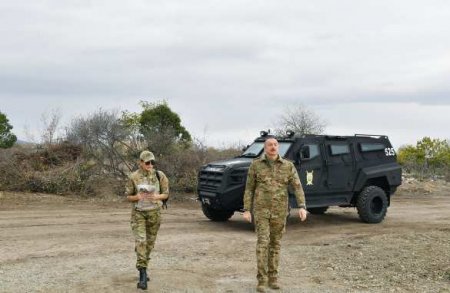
{"x":97,"y":151}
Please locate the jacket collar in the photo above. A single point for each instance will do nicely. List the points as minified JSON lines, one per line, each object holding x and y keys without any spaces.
{"x":278,"y":159}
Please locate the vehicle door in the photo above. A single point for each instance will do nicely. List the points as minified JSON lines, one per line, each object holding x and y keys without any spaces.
{"x":309,"y":164}
{"x":339,"y":165}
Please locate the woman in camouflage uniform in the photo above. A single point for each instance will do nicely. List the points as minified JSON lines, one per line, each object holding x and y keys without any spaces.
{"x":146,"y":194}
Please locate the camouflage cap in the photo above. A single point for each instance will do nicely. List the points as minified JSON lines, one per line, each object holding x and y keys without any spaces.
{"x":147,"y":156}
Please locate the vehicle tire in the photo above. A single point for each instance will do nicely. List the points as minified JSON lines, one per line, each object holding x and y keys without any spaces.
{"x":318,"y":211}
{"x":216,"y":215}
{"x":372,"y":204}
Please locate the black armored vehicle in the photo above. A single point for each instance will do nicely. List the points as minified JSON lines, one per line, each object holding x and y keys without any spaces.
{"x":348,"y":171}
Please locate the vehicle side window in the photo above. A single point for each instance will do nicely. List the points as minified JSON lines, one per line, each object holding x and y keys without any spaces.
{"x":339,"y":149}
{"x":370,"y":147}
{"x":309,"y":151}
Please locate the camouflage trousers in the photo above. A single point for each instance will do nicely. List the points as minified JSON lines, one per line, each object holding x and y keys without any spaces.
{"x":145,"y":226}
{"x":269,"y":229}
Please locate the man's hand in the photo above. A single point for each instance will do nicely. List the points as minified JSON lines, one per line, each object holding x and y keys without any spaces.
{"x":248,"y":216}
{"x":302,"y":214}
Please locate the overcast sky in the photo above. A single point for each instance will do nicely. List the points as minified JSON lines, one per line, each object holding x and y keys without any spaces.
{"x":229,"y":68}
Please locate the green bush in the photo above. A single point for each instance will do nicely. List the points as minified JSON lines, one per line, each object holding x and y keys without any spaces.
{"x":429,"y":158}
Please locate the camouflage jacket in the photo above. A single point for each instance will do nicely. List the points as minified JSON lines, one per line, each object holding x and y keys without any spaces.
{"x":141,"y":176}
{"x":267,"y":185}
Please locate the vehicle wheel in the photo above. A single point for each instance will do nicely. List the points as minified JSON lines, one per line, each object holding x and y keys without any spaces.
{"x":372,"y":204}
{"x":318,"y":211}
{"x":216,"y":215}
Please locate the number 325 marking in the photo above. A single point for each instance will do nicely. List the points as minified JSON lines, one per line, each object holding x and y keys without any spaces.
{"x":389,"y":152}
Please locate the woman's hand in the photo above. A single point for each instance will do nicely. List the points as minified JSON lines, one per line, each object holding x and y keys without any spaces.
{"x":248,"y":216}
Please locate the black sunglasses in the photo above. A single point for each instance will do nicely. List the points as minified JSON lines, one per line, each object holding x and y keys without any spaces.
{"x":150,"y":162}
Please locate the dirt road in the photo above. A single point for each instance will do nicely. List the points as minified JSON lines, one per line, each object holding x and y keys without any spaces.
{"x":58,"y":244}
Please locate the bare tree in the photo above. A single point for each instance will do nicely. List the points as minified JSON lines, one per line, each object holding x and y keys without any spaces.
{"x":105,"y":140}
{"x":29,"y":134}
{"x":301,"y":120}
{"x":50,"y":121}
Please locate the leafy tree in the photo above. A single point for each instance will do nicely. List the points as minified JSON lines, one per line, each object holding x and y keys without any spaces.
{"x":161,"y":128}
{"x":407,"y":154}
{"x":301,"y":120}
{"x":7,"y":138}
{"x":429,"y":157}
{"x":435,"y":153}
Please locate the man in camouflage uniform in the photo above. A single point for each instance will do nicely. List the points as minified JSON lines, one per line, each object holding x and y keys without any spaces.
{"x":146,"y":193}
{"x":266,"y":193}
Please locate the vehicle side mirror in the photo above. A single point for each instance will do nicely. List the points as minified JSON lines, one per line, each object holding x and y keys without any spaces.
{"x":245,"y":148}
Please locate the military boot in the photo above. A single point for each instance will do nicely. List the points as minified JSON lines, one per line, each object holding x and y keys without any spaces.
{"x":273,"y":283}
{"x":261,"y":287}
{"x":142,"y":279}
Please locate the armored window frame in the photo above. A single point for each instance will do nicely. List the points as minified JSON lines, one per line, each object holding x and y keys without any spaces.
{"x":255,"y":148}
{"x":283,"y":148}
{"x":339,"y":149}
{"x":314,"y":151}
{"x":371,"y":147}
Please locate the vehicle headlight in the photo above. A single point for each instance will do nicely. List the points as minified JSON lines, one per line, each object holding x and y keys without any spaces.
{"x":214,"y":168}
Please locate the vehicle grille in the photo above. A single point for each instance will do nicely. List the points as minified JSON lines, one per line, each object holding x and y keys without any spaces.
{"x":209,"y":181}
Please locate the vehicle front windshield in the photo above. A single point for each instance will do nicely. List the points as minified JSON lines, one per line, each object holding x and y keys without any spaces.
{"x":256,"y":149}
